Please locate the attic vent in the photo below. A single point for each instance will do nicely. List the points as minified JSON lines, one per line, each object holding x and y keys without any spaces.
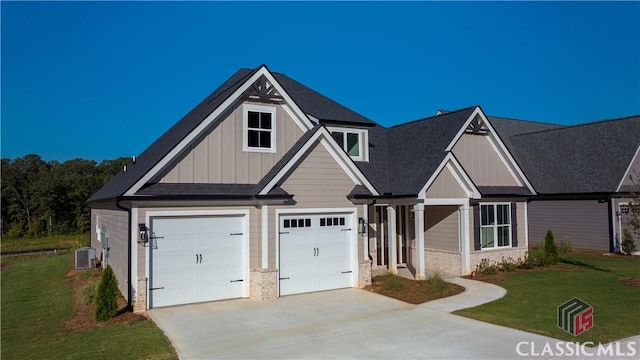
{"x":263,"y":91}
{"x":477,"y":127}
{"x":85,"y":258}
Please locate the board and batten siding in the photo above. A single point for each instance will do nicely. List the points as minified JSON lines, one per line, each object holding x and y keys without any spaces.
{"x":115,"y":224}
{"x":481,"y":161}
{"x":317,"y":182}
{"x":583,"y":223}
{"x":220,"y":158}
{"x":441,"y":228}
{"x":445,"y":186}
{"x":254,"y":228}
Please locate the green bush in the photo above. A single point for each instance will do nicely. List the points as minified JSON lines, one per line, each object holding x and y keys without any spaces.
{"x":393,"y":282}
{"x":565,"y":247}
{"x":107,"y":296}
{"x":486,"y":267}
{"x":628,"y":245}
{"x":88,"y":293}
{"x":550,"y":249}
{"x":507,"y":265}
{"x":438,"y":285}
{"x":535,"y":257}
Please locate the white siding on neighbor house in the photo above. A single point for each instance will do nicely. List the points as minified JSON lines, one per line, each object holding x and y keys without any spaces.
{"x":445,"y":186}
{"x":220,"y":158}
{"x":115,"y":223}
{"x":441,"y":228}
{"x":481,"y":161}
{"x":317,"y":182}
{"x":583,"y":223}
{"x":254,"y":228}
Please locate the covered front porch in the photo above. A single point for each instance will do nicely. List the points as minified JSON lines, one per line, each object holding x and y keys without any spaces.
{"x":420,"y":237}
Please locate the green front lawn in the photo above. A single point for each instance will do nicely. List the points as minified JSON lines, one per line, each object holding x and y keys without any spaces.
{"x":533,"y":297}
{"x":48,"y":242}
{"x":37,"y":300}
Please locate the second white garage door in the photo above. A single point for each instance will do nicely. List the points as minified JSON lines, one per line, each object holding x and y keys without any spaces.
{"x":195,"y":259}
{"x":315,"y":253}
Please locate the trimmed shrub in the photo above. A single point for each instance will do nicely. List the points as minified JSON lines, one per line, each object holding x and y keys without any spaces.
{"x":486,"y":267}
{"x":507,"y":265}
{"x":535,"y":257}
{"x":628,"y":245}
{"x":107,"y":296}
{"x":550,"y":249}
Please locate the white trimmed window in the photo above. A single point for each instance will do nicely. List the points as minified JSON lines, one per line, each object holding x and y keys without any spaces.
{"x":495,"y":225}
{"x":353,"y":141}
{"x":259,"y":128}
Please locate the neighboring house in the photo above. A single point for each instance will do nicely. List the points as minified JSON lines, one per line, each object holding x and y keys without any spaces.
{"x":268,"y":188}
{"x":585,"y":176}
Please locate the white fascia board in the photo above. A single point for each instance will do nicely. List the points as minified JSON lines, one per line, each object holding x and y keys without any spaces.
{"x":331,"y":146}
{"x":263,"y":71}
{"x":463,"y":128}
{"x":502,"y":152}
{"x":458,"y":173}
{"x":635,"y":156}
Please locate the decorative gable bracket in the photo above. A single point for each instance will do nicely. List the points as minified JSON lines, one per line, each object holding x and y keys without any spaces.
{"x":263,"y":91}
{"x":477,"y":127}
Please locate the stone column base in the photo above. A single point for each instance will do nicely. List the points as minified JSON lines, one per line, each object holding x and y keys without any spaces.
{"x":364,"y":273}
{"x":263,"y":284}
{"x":140,"y":300}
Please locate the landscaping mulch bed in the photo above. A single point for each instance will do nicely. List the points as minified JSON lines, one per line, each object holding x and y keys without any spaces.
{"x":501,"y":275}
{"x":629,"y":281}
{"x":83,"y":318}
{"x":412,"y":291}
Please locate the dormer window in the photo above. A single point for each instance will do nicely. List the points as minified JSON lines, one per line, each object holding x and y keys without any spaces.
{"x":353,"y":141}
{"x":259,"y":128}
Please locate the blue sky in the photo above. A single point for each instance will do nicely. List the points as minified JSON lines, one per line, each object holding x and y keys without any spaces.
{"x":100,"y":80}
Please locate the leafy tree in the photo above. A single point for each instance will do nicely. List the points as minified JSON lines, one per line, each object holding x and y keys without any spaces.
{"x":107,"y":296}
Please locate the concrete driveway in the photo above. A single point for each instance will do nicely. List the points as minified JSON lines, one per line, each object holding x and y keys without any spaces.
{"x":340,"y":324}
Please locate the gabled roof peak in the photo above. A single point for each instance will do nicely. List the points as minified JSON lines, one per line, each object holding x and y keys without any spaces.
{"x":437,"y":116}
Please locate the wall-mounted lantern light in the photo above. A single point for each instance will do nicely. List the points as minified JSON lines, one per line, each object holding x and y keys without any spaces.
{"x":362,"y":226}
{"x":143,"y":238}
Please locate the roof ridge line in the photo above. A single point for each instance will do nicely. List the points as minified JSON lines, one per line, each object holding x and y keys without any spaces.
{"x":433,"y":116}
{"x":569,"y":127}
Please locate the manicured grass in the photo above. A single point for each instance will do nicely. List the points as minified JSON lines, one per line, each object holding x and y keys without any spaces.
{"x":533,"y":297}
{"x":36,"y":302}
{"x":49,"y":242}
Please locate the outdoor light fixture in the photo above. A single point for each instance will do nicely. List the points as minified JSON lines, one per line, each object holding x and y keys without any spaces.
{"x":362,"y":224}
{"x":143,"y":238}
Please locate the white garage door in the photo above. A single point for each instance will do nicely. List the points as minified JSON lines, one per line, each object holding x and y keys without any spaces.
{"x":195,"y":259}
{"x":315,"y":253}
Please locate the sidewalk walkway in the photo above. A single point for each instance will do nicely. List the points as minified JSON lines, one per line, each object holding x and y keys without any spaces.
{"x":476,"y":293}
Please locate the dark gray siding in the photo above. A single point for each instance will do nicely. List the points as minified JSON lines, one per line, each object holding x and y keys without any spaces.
{"x":584,"y":223}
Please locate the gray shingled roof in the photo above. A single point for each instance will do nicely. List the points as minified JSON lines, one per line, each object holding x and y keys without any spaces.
{"x":310,"y":101}
{"x":417,"y":148}
{"x":587,"y":158}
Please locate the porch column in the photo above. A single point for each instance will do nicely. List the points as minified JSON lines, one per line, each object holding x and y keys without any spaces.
{"x":391,"y":229}
{"x":465,"y":234}
{"x":418,"y":216}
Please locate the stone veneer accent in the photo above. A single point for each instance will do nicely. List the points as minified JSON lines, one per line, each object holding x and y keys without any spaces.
{"x":443,"y":262}
{"x":364,"y":273}
{"x":495,"y":256}
{"x":263,"y":284}
{"x":140,"y":303}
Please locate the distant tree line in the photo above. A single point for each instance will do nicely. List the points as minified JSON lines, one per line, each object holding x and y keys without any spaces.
{"x":42,"y":198}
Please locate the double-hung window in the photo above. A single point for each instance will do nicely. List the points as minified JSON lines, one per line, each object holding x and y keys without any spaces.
{"x":353,"y":141}
{"x":495,"y":225}
{"x":259,"y":128}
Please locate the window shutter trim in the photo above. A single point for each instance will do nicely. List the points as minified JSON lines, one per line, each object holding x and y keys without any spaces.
{"x":514,"y":224}
{"x":476,"y":227}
